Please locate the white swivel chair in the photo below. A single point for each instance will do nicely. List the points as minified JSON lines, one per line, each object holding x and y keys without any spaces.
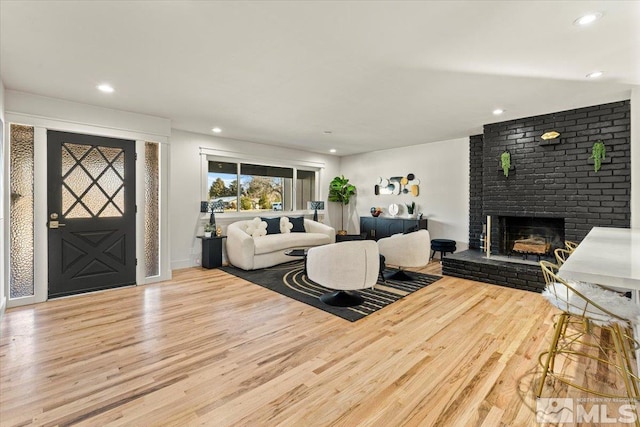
{"x":344,"y":266}
{"x":405,"y":250}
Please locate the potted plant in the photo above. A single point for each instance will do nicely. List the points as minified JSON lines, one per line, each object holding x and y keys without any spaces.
{"x":208,"y":229}
{"x":411,"y":208}
{"x":341,"y":191}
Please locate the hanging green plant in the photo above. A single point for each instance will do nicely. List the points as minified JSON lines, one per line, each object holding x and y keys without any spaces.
{"x":505,"y":162}
{"x":597,"y":154}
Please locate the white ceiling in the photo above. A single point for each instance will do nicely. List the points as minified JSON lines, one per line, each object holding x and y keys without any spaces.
{"x":377,"y":74}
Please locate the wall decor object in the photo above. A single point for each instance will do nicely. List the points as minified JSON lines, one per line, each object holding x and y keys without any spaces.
{"x":550,"y":135}
{"x":505,"y":162}
{"x":550,"y":138}
{"x":597,"y":154}
{"x":397,"y":185}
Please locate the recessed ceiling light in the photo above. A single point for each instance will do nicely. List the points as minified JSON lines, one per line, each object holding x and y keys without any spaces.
{"x":105,"y":88}
{"x":333,"y":150}
{"x":594,"y":75}
{"x":587,"y":19}
{"x":216,"y":130}
{"x":498,"y":111}
{"x":327,"y":132}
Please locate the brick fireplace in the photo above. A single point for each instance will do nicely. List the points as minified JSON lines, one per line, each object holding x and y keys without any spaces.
{"x":552,"y":182}
{"x":512,"y":229}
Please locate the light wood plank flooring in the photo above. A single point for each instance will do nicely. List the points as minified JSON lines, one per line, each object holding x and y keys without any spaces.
{"x":207,"y":348}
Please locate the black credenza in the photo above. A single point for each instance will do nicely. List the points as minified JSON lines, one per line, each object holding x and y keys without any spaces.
{"x":377,"y":228}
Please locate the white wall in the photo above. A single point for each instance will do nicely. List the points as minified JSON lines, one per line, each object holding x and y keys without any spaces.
{"x":3,"y":300}
{"x":635,"y":157}
{"x":185,"y":189}
{"x":443,"y":170}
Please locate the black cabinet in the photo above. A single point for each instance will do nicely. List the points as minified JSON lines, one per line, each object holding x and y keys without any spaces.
{"x":377,"y":228}
{"x":212,"y":251}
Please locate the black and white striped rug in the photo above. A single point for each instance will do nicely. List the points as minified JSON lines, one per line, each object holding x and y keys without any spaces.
{"x":289,"y":279}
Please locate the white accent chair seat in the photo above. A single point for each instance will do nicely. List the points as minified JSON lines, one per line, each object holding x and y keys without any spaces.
{"x":405,"y":250}
{"x":344,"y":266}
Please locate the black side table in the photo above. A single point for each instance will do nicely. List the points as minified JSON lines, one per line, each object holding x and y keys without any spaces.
{"x":212,"y":251}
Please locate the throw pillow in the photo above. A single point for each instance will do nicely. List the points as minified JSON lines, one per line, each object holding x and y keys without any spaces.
{"x":273,"y":225}
{"x":298,"y":224}
{"x":256,"y":228}
{"x":285,"y":225}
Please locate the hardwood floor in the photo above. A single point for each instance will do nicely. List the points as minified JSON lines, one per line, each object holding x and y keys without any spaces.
{"x":207,"y":348}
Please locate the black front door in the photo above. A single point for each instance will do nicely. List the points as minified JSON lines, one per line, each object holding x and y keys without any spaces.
{"x":91,"y":212}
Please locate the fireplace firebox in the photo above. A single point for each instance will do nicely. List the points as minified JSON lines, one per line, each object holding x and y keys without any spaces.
{"x":524,"y":236}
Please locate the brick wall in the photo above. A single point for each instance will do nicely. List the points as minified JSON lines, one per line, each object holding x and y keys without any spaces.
{"x":475,"y":190}
{"x":556,"y":180}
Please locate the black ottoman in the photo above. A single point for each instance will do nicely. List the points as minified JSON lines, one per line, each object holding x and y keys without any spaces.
{"x":443,"y":246}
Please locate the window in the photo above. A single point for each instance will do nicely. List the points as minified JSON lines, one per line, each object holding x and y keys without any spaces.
{"x":305,"y":188}
{"x":260,"y":188}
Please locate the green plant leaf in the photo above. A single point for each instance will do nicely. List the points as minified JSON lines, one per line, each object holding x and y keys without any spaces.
{"x":505,"y":162}
{"x":598,"y":152}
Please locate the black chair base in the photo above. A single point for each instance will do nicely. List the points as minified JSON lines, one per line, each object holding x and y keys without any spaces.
{"x":342,"y":299}
{"x":398,"y":275}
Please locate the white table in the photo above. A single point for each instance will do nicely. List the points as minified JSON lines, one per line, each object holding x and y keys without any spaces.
{"x":607,"y":256}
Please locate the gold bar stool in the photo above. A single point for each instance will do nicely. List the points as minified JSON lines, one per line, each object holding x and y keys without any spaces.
{"x":571,"y":246}
{"x":561,"y":255}
{"x":589,"y":309}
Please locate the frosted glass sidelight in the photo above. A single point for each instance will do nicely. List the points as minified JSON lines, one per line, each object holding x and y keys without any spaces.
{"x":21,"y":211}
{"x":152,"y":208}
{"x":92,"y":181}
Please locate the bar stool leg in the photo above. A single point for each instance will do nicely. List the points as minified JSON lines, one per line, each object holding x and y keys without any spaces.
{"x":552,"y":350}
{"x":629,"y":381}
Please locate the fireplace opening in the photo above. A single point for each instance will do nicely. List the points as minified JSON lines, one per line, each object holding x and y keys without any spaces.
{"x":530,"y":236}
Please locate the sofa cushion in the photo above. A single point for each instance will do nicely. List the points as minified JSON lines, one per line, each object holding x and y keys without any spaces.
{"x":281,"y":241}
{"x":273,"y":225}
{"x":256,"y":228}
{"x":285,"y":225}
{"x":298,"y":224}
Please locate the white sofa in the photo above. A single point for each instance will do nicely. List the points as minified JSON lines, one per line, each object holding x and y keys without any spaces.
{"x":251,"y":253}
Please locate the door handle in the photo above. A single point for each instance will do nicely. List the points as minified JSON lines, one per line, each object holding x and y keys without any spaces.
{"x":56,"y":224}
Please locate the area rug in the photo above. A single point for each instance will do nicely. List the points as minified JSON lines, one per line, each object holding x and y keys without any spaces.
{"x":289,"y":279}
